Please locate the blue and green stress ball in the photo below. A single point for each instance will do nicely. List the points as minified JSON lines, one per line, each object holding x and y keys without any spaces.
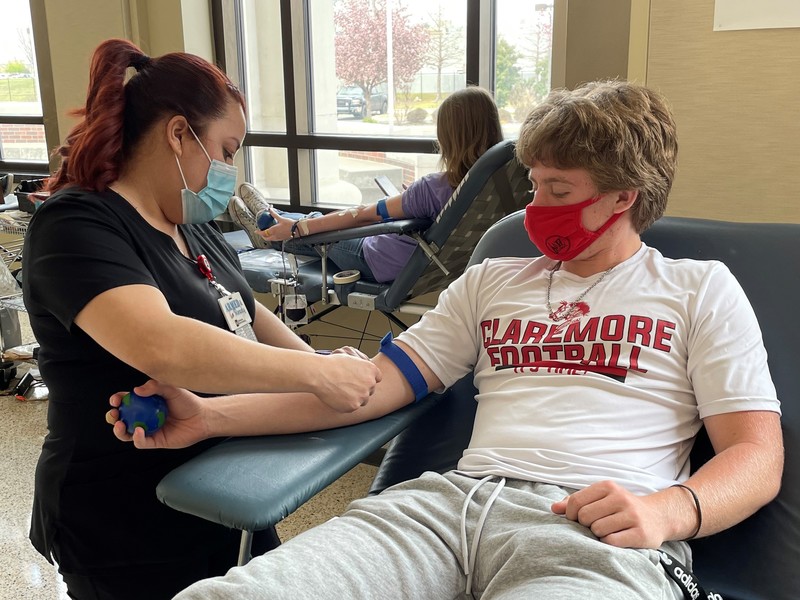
{"x":147,"y":412}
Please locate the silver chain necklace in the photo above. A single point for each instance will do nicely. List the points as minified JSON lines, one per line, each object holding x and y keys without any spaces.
{"x":568,"y":309}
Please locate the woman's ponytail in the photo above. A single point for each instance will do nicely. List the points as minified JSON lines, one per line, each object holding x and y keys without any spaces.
{"x":92,"y":152}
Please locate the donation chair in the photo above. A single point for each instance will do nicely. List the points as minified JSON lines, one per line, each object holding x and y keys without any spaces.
{"x":495,"y":186}
{"x":252,"y":483}
{"x":759,"y":559}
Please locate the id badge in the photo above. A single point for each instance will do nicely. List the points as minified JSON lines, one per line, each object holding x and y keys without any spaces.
{"x":236,"y":316}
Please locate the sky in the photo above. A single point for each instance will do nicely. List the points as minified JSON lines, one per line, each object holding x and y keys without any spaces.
{"x":14,"y":14}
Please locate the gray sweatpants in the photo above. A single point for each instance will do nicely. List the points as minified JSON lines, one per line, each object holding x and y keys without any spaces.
{"x":406,"y":543}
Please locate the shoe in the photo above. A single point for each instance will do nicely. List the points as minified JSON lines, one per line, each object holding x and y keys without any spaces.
{"x":242,"y":216}
{"x":253,"y":199}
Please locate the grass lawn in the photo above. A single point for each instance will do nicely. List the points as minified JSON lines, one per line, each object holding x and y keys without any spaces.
{"x":17,"y":90}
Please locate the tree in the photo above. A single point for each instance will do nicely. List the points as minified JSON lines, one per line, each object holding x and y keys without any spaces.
{"x":536,"y":50}
{"x":360,"y":42}
{"x":507,"y":73}
{"x":445,"y":48}
{"x":16,"y":66}
{"x":26,"y":44}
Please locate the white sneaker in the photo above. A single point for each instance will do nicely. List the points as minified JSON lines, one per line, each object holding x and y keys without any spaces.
{"x":252,"y":198}
{"x":242,"y":216}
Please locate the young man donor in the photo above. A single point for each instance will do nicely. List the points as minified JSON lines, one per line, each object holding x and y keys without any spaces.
{"x":596,"y":366}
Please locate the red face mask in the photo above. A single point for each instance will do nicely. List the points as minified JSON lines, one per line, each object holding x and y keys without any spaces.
{"x":557,"y":231}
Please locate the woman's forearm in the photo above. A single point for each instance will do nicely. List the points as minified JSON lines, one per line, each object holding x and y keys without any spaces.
{"x":135,"y":324}
{"x":261,"y":414}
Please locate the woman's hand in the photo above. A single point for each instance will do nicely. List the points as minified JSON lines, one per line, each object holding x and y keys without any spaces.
{"x":348,"y":379}
{"x":350,"y":351}
{"x":282,"y":230}
{"x":185,"y":424}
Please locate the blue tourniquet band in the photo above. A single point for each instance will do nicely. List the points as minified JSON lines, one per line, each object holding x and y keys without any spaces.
{"x":407,"y":367}
{"x":383,"y":212}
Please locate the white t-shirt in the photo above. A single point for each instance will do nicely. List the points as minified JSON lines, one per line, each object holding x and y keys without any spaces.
{"x":615,"y":393}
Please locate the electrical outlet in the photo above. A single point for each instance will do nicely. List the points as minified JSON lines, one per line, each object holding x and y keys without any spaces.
{"x":361,"y":301}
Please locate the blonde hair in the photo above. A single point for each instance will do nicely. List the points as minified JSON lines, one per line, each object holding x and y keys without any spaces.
{"x":467,"y":125}
{"x":623,"y":134}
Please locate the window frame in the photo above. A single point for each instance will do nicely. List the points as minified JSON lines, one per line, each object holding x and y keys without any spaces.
{"x":22,"y":169}
{"x":296,"y":50}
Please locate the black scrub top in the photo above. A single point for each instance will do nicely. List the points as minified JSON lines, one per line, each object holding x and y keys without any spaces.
{"x":95,"y":505}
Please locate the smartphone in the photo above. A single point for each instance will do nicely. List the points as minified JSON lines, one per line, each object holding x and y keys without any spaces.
{"x":387,"y":187}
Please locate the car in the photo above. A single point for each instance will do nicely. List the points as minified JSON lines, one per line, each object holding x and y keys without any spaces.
{"x":350,"y":100}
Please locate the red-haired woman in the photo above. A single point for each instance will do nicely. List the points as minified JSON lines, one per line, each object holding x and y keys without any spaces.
{"x":118,"y":293}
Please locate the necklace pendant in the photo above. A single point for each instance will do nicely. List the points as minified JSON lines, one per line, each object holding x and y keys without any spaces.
{"x":567,"y":311}
{"x":563,"y":312}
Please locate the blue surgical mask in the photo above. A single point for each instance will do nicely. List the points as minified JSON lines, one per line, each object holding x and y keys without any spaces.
{"x":212,"y":200}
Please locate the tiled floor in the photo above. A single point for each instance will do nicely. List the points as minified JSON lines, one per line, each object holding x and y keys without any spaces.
{"x":25,"y":575}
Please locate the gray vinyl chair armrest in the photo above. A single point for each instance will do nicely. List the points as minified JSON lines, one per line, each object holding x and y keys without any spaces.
{"x":399,"y":226}
{"x":253,"y":483}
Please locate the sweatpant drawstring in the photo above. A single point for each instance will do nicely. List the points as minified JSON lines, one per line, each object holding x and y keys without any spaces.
{"x":469,"y":556}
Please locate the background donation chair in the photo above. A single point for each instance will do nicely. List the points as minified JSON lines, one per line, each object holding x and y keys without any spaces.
{"x":759,"y":559}
{"x":495,"y":186}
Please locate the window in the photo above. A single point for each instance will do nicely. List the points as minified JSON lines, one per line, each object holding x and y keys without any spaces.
{"x":381,"y":85}
{"x":334,"y":100}
{"x":523,"y":49}
{"x":22,"y":139}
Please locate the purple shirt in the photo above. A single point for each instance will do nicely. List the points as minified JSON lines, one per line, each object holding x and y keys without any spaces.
{"x":387,"y":254}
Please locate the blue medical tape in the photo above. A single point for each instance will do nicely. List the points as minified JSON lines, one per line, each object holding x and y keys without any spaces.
{"x":383,"y":212}
{"x":407,"y":367}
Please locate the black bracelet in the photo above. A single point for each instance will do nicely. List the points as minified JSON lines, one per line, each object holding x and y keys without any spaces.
{"x":697,"y":506}
{"x":294,"y":229}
